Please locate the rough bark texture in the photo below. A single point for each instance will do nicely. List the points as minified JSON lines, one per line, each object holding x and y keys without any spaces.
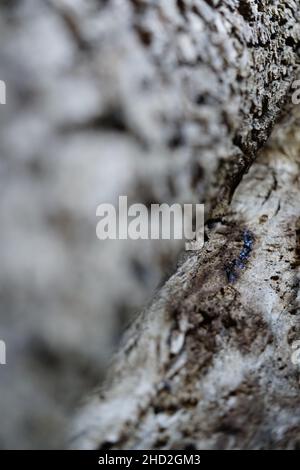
{"x":209,"y":365}
{"x":164,"y":101}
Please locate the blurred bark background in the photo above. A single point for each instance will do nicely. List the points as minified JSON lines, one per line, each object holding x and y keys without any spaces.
{"x":164,"y":102}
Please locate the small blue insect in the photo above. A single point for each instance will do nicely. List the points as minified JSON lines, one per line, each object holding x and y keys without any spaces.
{"x":240,"y":262}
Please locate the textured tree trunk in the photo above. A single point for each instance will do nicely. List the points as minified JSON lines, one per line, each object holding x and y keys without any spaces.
{"x":163,"y":101}
{"x":212,"y":363}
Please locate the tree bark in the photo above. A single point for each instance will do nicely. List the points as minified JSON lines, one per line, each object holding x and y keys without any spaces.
{"x":163,"y":101}
{"x":213,"y":363}
{"x":210,"y":363}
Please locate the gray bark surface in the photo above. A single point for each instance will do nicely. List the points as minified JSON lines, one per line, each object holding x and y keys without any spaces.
{"x":164,"y":102}
{"x":210,"y":364}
